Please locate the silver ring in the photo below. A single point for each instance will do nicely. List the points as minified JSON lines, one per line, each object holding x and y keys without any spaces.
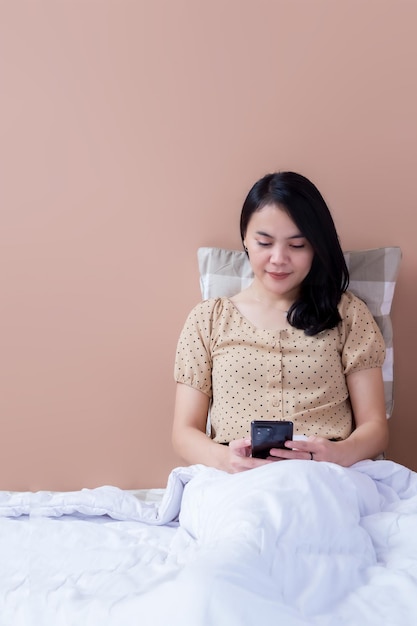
{"x":311,"y":456}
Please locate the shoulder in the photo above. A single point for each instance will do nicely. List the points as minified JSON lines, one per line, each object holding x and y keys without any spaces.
{"x":203,"y":323}
{"x":362,"y":340}
{"x":358,"y":321}
{"x":207,"y":312}
{"x":210,"y":307}
{"x":352,"y":306}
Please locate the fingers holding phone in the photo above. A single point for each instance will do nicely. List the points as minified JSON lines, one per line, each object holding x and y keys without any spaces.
{"x":240,"y":458}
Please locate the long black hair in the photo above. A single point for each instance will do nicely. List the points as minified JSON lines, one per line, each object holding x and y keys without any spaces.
{"x":321,"y":290}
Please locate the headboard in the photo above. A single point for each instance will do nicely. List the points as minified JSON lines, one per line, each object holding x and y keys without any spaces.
{"x":373,"y":275}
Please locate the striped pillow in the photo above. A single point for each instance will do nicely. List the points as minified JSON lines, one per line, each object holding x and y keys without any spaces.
{"x":373,"y":274}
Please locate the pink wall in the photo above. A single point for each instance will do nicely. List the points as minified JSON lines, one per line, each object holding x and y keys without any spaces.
{"x":130,"y":132}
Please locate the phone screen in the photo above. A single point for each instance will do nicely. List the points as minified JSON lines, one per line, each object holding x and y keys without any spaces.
{"x":269,"y":434}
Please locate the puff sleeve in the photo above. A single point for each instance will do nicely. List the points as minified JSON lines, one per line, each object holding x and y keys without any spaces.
{"x":193,"y":359}
{"x":363,"y":344}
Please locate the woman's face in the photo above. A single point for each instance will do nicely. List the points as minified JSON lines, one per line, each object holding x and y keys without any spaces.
{"x":279,"y":254}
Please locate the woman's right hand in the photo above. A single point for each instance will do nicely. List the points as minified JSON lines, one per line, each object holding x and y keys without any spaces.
{"x":239,"y":458}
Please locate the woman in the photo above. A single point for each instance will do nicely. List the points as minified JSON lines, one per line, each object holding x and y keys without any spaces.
{"x":295,"y":345}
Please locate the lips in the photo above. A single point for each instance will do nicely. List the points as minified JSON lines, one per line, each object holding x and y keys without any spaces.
{"x":278,"y":275}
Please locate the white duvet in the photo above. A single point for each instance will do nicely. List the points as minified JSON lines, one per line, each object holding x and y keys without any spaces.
{"x":291,"y":543}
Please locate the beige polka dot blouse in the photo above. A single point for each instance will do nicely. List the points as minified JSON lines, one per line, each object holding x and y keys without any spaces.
{"x":250,"y":373}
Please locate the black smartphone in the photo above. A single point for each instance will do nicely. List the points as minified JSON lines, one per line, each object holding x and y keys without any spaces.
{"x":269,"y":434}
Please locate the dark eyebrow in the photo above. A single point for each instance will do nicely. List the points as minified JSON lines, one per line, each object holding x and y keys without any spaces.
{"x":262,"y":234}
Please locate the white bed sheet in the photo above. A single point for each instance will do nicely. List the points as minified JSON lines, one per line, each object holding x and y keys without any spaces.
{"x":294,"y":543}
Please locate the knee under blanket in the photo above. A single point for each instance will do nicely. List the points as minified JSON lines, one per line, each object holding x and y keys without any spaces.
{"x":299,"y":543}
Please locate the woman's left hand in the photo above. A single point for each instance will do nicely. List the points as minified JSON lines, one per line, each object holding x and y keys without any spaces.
{"x":311,"y":449}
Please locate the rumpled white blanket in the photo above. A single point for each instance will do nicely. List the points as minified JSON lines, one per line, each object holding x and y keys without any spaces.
{"x":107,"y":500}
{"x":292,"y":543}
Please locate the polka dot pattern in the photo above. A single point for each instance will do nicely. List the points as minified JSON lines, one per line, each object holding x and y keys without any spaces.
{"x":251,"y":373}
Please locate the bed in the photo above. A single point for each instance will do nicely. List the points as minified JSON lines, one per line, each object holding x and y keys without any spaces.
{"x":294,"y":543}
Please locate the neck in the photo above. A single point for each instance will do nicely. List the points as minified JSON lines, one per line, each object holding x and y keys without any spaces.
{"x":270,"y":300}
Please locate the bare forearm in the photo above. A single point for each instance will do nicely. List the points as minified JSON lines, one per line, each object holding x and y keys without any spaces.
{"x":366,"y":442}
{"x":194,"y":446}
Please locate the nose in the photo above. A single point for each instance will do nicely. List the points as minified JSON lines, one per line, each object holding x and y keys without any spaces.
{"x":278,"y":254}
